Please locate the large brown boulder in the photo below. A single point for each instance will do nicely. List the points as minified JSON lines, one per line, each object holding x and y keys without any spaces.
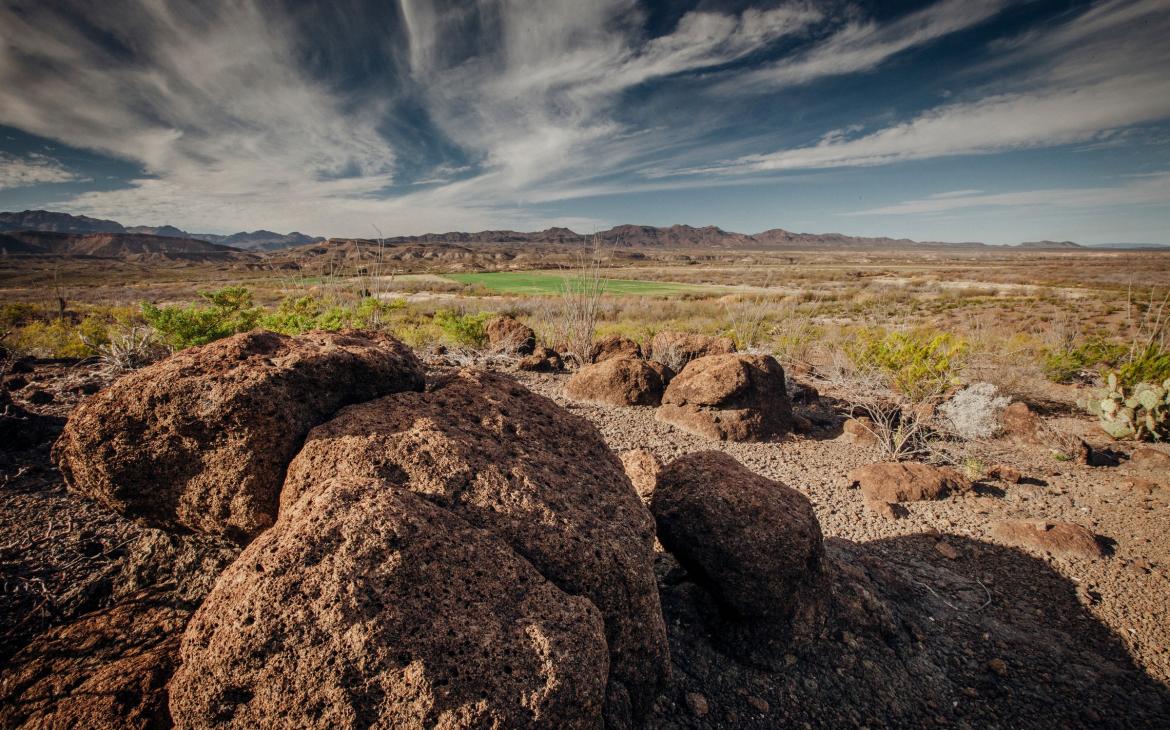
{"x":107,"y":669}
{"x":202,"y":438}
{"x":906,"y":481}
{"x":613,"y":346}
{"x":368,"y":606}
{"x":729,"y":398}
{"x":755,"y":544}
{"x":510,"y":337}
{"x":1056,"y":538}
{"x":619,"y":381}
{"x":519,"y":466}
{"x":676,"y":349}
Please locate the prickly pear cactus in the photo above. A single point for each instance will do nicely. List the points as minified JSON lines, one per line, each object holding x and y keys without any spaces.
{"x":1143,"y":413}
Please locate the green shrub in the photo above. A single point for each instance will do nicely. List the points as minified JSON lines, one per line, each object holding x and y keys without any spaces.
{"x":295,"y":315}
{"x":1149,"y":366}
{"x":918,"y":363}
{"x":226,"y":312}
{"x":59,"y":338}
{"x":1064,"y":366}
{"x":463,"y":329}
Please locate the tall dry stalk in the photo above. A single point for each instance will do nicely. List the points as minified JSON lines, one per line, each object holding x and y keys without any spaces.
{"x":581,"y":293}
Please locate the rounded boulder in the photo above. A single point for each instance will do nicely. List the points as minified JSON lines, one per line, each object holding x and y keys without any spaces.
{"x":753,"y":543}
{"x":618,"y":381}
{"x":729,"y":398}
{"x":537,"y":477}
{"x":201,"y":439}
{"x":368,"y":606}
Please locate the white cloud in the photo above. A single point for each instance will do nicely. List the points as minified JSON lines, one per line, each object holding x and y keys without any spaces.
{"x":1100,"y":72}
{"x":32,"y":169}
{"x":1147,"y":190}
{"x":862,"y":45}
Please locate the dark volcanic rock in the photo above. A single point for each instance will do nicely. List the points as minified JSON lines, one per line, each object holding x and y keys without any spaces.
{"x":368,"y":606}
{"x":508,"y":336}
{"x":1058,"y":538}
{"x":542,"y":360}
{"x":618,"y":381}
{"x":541,"y":479}
{"x":202,"y":438}
{"x":613,"y":346}
{"x":676,"y":349}
{"x":755,"y":544}
{"x":107,"y":669}
{"x":729,"y":398}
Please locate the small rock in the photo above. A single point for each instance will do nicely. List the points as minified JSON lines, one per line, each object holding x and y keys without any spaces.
{"x":509,"y":336}
{"x":642,"y":467}
{"x":1150,"y":459}
{"x":1022,"y":425}
{"x":697,"y":704}
{"x":946,"y":550}
{"x":886,"y":510}
{"x":759,"y":703}
{"x":999,"y":666}
{"x":907,"y":481}
{"x":1058,"y":538}
{"x":859,"y":431}
{"x":1005,"y":473}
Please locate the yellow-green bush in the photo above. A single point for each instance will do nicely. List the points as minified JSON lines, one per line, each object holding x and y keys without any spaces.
{"x":918,"y":363}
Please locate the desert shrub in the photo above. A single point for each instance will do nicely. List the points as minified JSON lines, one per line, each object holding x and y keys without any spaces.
{"x":1151,"y":365}
{"x":295,"y":315}
{"x":127,"y":348}
{"x":974,"y":412}
{"x":58,"y":338}
{"x":226,"y":312}
{"x":467,"y":330}
{"x":918,"y":363}
{"x":1067,"y":364}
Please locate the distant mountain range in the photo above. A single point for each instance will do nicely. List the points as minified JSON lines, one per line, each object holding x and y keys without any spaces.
{"x":120,"y":245}
{"x":623,"y":236}
{"x":43,"y":220}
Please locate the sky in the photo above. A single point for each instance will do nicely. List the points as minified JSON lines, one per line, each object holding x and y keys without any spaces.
{"x":948,"y":120}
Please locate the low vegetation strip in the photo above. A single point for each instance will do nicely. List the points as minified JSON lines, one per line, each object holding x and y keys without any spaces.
{"x":554,"y":282}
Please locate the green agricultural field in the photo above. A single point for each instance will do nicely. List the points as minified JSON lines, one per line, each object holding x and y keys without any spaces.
{"x":553,"y":282}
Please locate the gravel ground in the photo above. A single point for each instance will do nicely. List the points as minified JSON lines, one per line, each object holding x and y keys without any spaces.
{"x":1127,"y":592}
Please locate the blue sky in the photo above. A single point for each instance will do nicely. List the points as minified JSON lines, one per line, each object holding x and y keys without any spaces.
{"x":992,"y":120}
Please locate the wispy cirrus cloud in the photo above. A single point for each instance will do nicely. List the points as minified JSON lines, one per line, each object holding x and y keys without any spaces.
{"x":1152,"y":189}
{"x":1082,"y":86}
{"x":863,"y":44}
{"x":33,"y":169}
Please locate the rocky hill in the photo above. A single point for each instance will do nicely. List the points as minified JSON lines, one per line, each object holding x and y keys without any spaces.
{"x":44,"y":220}
{"x":115,"y":245}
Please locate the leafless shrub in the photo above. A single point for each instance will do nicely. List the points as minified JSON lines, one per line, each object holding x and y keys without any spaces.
{"x":581,"y":294}
{"x":903,"y":428}
{"x":672,"y":356}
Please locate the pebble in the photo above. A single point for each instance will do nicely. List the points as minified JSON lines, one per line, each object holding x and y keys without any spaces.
{"x":697,"y":703}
